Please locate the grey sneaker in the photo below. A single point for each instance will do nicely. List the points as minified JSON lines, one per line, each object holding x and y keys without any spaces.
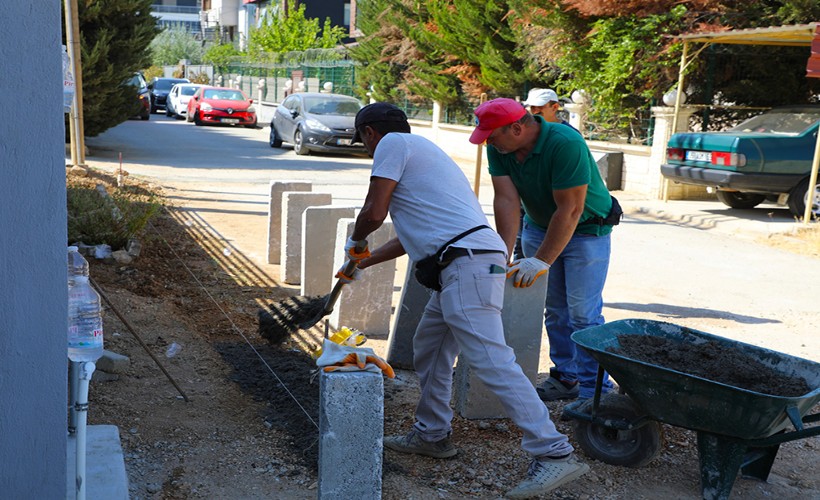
{"x":412,"y":443}
{"x":546,"y":474}
{"x":553,"y":390}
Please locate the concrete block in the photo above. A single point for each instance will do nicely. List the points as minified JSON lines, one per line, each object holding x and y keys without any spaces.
{"x":105,"y":476}
{"x":523,"y":317}
{"x":368,"y":306}
{"x":112,"y":362}
{"x":610,"y":165}
{"x":318,"y":247}
{"x":275,"y":215}
{"x":414,"y":298}
{"x":293,"y":205}
{"x":351,"y":435}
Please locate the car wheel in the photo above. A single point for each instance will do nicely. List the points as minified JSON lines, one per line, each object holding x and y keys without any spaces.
{"x":169,"y":113}
{"x":146,"y":116}
{"x":798,"y":196}
{"x":299,"y":146}
{"x":736,"y":199}
{"x":197,"y":121}
{"x":275,"y":141}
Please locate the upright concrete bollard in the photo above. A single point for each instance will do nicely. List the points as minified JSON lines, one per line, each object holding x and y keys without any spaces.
{"x":366,"y":304}
{"x":293,"y":205}
{"x":414,"y":298}
{"x":523,"y":318}
{"x":351,"y":435}
{"x":319,"y":246}
{"x":275,"y":215}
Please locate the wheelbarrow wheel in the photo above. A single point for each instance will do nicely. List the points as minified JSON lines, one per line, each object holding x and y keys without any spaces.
{"x":627,"y":448}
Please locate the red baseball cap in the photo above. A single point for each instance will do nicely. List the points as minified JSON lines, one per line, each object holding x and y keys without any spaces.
{"x":495,"y":114}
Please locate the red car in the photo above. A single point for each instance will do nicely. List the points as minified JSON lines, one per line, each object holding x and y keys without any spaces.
{"x":221,"y":105}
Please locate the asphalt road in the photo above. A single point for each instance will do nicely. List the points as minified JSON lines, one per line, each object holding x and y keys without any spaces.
{"x":691,"y":263}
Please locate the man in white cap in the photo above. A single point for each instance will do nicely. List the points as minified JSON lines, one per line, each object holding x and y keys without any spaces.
{"x":545,"y":103}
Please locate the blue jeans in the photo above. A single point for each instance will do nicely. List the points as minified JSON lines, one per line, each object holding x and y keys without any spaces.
{"x":574,"y":302}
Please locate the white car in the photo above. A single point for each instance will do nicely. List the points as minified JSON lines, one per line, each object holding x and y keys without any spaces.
{"x":178,"y":97}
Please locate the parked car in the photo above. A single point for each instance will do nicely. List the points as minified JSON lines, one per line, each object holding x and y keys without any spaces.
{"x":143,"y":96}
{"x":177,"y":104}
{"x":768,"y":156}
{"x":159,"y":88}
{"x":316,"y":122}
{"x":221,"y":105}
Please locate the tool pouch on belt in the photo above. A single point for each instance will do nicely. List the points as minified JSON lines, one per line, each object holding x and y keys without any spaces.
{"x":429,"y":268}
{"x":613,"y":218}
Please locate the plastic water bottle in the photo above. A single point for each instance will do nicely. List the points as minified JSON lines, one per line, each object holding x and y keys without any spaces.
{"x":68,"y":83}
{"x":85,"y":330}
{"x":77,"y":265}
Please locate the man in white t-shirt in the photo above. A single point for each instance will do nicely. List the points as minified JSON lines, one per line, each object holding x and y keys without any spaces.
{"x":430,"y":202}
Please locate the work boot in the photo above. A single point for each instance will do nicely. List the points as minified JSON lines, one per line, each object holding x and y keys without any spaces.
{"x":412,"y":443}
{"x":545,"y":474}
{"x":554,"y":389}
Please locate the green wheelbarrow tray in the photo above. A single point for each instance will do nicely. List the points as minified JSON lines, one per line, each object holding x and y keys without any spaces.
{"x":737,"y":428}
{"x":693,"y":402}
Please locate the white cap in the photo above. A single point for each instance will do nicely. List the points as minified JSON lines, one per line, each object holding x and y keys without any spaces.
{"x":540,"y":97}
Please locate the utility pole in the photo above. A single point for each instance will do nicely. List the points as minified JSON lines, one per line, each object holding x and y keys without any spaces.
{"x":76,"y":128}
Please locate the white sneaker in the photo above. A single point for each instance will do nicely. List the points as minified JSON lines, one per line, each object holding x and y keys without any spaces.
{"x":545,"y":474}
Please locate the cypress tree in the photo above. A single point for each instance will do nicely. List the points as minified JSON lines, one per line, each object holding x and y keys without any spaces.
{"x":114,"y":40}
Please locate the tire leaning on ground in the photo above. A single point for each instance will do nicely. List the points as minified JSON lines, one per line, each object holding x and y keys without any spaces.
{"x":197,"y":121}
{"x":736,"y":199}
{"x":798,"y":196}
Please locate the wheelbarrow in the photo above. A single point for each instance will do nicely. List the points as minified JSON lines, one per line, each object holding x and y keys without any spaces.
{"x":737,"y":429}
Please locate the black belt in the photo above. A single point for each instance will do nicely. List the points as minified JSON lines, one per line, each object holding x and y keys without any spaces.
{"x":456,"y":252}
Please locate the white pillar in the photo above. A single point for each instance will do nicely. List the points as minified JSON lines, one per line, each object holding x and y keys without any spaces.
{"x":664,"y":116}
{"x":275,"y":215}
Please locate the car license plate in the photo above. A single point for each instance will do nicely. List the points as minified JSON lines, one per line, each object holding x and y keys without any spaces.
{"x":699,"y":155}
{"x":230,"y":120}
{"x":344,"y":142}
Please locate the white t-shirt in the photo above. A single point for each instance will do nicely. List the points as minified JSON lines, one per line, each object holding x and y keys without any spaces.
{"x":433,"y":201}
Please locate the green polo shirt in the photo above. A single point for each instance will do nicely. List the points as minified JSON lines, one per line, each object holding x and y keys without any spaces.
{"x":559,"y":160}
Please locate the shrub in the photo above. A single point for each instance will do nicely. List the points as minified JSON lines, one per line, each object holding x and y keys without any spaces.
{"x":96,"y":219}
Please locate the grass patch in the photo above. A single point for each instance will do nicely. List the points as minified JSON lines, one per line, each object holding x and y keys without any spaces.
{"x":804,"y":240}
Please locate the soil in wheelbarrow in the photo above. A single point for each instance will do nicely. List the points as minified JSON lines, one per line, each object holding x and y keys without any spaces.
{"x":712,"y":361}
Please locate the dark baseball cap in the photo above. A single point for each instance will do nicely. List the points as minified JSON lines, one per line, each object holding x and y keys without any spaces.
{"x":377,"y":112}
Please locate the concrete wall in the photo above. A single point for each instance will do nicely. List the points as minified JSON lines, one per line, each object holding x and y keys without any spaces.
{"x":33,"y":237}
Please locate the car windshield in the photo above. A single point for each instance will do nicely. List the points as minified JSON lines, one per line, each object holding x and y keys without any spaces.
{"x":321,"y":106}
{"x":785,"y":122}
{"x":166,"y":84}
{"x":137,"y":81}
{"x":224,"y":95}
{"x":188,"y":90}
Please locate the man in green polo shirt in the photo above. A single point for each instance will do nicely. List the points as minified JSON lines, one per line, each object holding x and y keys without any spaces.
{"x":548,"y":169}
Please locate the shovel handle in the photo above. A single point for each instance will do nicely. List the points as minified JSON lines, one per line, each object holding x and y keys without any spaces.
{"x":349,"y":269}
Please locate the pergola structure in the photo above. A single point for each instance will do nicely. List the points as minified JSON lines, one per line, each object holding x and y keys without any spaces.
{"x":798,"y":35}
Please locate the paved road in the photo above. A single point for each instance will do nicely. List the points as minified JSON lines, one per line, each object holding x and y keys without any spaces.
{"x":691,"y":263}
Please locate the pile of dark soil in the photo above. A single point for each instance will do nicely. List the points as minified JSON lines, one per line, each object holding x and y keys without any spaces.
{"x":712,"y":361}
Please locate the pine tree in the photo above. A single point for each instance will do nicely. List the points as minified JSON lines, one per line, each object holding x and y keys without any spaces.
{"x":114,"y":39}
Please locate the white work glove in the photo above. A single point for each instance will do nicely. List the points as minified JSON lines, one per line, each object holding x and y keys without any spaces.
{"x":337,"y":357}
{"x":357,"y":274}
{"x":526,"y":271}
{"x":356,"y":254}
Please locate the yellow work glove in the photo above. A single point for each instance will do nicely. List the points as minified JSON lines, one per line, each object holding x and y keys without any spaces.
{"x":526,"y":271}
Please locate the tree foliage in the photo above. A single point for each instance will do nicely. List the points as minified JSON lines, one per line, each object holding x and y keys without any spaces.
{"x":293,"y":32}
{"x":174,"y":44}
{"x":220,"y":55}
{"x":623,"y":53}
{"x":114,"y":40}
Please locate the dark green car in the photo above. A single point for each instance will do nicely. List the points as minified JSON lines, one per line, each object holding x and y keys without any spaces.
{"x":766,"y":157}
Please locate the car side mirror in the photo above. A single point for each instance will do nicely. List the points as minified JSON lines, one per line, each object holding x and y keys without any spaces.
{"x":250,"y":101}
{"x":294,"y":113}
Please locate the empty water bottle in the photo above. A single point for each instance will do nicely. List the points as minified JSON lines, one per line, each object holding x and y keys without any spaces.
{"x":85,"y":331}
{"x":77,"y":265}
